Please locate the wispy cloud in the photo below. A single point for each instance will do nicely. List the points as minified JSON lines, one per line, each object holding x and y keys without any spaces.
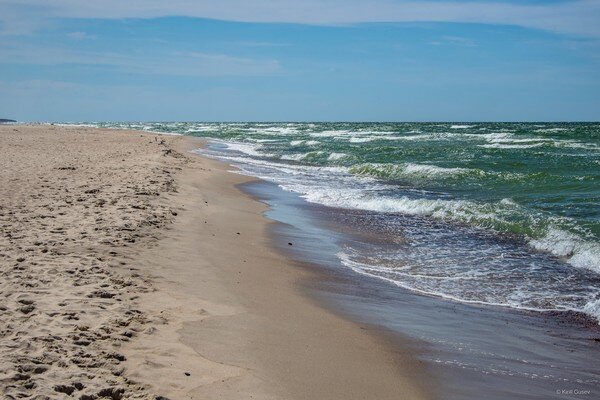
{"x":262,"y":44}
{"x":577,"y":17}
{"x":40,"y":84}
{"x":167,"y":63}
{"x":455,"y":41}
{"x":80,"y":36}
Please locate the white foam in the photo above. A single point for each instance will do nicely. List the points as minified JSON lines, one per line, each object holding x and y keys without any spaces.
{"x":336,"y":156}
{"x":368,"y":270}
{"x":552,"y":130}
{"x":547,"y":296}
{"x":461,"y":126}
{"x":435,"y":136}
{"x":411,"y":170}
{"x":513,"y":140}
{"x":578,"y":252}
{"x":246,"y":148}
{"x":330,"y":133}
{"x":415,"y":137}
{"x":492,"y":136}
{"x":275,"y":130}
{"x":352,"y":199}
{"x":593,"y":308}
{"x":507,"y":201}
{"x":202,"y":128}
{"x":262,"y":140}
{"x":294,"y":157}
{"x":428,"y":170}
{"x":510,"y":146}
{"x":361,"y":139}
{"x":364,"y":139}
{"x":300,"y":156}
{"x":575,"y":144}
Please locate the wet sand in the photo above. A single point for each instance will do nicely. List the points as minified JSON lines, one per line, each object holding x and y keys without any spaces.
{"x":473,"y":352}
{"x":134,"y":269}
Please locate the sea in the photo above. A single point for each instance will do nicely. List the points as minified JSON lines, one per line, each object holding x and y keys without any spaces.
{"x":501,"y":214}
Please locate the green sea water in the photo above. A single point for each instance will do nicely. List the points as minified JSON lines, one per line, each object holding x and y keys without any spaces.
{"x":538,"y":183}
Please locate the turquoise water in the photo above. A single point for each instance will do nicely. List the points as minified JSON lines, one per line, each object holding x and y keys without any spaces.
{"x":495,"y":213}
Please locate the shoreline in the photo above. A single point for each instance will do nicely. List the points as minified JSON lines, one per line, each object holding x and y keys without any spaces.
{"x":191,"y":300}
{"x":471,"y":351}
{"x":275,"y":341}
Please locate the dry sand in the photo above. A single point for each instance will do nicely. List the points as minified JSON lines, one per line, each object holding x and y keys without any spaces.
{"x":131,"y":268}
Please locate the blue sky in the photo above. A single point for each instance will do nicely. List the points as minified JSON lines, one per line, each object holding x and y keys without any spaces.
{"x":234,"y":60}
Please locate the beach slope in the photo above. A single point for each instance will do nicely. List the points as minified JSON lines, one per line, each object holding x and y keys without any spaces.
{"x":131,"y":268}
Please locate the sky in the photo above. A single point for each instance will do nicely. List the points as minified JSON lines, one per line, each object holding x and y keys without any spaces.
{"x":284,"y":60}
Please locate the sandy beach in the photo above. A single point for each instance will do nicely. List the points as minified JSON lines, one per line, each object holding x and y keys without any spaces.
{"x":283,"y":200}
{"x":134,"y":269}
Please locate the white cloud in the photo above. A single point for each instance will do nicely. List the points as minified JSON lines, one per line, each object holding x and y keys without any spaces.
{"x":577,"y":17}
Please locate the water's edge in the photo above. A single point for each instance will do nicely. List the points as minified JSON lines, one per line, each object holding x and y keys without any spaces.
{"x":470,"y":351}
{"x":492,"y":213}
